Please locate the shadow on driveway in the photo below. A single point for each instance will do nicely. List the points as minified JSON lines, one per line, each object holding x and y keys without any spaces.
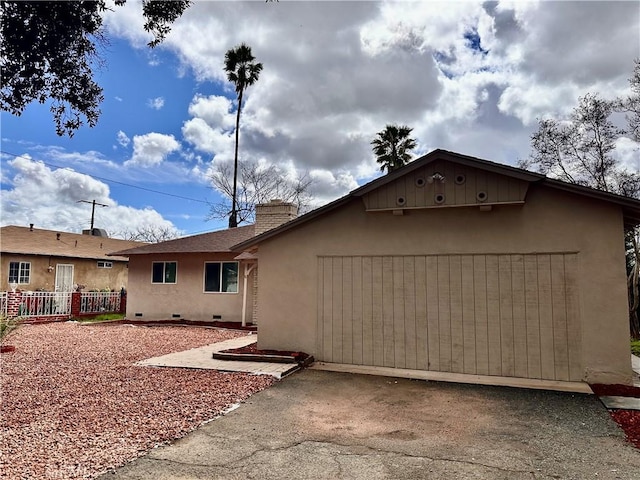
{"x":326,"y":425}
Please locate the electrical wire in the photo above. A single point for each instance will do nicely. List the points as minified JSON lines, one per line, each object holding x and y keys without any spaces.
{"x":109,"y":180}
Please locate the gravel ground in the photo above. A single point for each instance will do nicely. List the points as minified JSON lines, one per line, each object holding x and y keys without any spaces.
{"x":73,"y":405}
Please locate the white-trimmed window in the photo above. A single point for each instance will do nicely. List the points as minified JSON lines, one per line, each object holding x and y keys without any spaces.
{"x":164,"y":272}
{"x":221,"y":277}
{"x":19,"y":272}
{"x":104,"y":264}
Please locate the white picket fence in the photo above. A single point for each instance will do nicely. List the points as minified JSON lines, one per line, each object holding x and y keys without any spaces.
{"x":58,"y":304}
{"x":99,"y":302}
{"x":45,"y":304}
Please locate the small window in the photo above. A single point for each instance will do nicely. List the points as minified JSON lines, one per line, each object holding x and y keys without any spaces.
{"x":19,"y":272}
{"x":221,"y":277}
{"x":164,"y":272}
{"x":102,"y":264}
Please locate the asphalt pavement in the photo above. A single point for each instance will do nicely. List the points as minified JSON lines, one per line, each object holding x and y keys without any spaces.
{"x":327,"y":425}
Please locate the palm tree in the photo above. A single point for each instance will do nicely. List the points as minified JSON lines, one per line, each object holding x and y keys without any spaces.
{"x":392,"y":147}
{"x":242,"y":71}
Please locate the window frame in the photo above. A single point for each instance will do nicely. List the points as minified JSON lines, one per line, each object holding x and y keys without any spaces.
{"x":164,"y":272}
{"x":221,"y":264}
{"x":105,"y":264}
{"x":20,"y":277}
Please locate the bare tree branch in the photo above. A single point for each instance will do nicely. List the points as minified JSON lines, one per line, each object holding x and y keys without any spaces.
{"x":257,"y":184}
{"x":148,"y":233}
{"x":581,"y":150}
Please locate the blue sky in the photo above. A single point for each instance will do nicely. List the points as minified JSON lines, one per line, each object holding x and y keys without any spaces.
{"x":132,"y":79}
{"x":470,"y":77}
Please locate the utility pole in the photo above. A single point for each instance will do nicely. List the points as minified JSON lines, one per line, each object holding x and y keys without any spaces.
{"x":93,"y":209}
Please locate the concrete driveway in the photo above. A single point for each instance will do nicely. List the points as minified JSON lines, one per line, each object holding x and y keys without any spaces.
{"x":326,"y":425}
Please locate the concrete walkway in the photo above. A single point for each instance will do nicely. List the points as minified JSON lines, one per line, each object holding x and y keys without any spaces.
{"x":202,"y":358}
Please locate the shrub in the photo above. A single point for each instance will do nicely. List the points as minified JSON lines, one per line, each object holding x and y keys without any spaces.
{"x":7,"y":326}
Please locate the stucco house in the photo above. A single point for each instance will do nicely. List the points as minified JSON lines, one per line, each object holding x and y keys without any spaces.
{"x":48,"y":260}
{"x":199,"y":278}
{"x":457,"y":268}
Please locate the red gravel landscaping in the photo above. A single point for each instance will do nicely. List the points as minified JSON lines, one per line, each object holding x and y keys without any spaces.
{"x":629,"y":420}
{"x":73,"y":405}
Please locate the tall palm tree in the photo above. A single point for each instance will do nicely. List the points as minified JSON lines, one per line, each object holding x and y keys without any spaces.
{"x":242,"y":71}
{"x":392,"y":146}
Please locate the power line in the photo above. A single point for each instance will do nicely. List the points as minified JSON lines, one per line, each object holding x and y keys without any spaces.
{"x":93,"y":210}
{"x":110,"y":180}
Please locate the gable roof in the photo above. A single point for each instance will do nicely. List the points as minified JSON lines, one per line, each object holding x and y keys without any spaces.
{"x":630,"y":206}
{"x":27,"y":241}
{"x":212,"y":242}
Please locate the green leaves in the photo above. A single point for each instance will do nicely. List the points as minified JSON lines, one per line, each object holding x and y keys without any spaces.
{"x":392,"y":146}
{"x":49,"y":50}
{"x":241,"y":69}
{"x":160,"y":15}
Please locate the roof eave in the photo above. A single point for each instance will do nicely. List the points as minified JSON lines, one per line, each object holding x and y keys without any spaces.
{"x":631,"y":207}
{"x":292,"y":223}
{"x":435,"y":155}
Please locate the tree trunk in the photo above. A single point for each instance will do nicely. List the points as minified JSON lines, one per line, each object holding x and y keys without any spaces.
{"x":233,"y":218}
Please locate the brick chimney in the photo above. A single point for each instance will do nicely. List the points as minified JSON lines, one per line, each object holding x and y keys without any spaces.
{"x":273,"y":214}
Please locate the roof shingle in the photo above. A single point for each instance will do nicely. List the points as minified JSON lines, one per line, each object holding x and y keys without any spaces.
{"x":219,"y":241}
{"x":26,"y":241}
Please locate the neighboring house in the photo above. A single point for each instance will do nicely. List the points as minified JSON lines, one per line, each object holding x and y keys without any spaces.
{"x":199,"y":278}
{"x":457,"y":265}
{"x":46,"y":260}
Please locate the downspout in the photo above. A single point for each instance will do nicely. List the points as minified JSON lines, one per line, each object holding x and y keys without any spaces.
{"x":248,"y":268}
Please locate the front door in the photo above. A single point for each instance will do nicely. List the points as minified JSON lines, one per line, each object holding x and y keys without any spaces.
{"x":64,"y":278}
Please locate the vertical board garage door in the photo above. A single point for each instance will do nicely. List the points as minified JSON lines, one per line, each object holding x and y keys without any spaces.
{"x":507,"y":315}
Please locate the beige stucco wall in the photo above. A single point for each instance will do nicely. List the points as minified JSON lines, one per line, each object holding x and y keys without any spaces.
{"x":550,"y":221}
{"x":186,"y":297}
{"x":85,"y":272}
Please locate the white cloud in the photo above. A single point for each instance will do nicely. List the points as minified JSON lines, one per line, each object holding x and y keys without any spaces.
{"x":155,"y":103}
{"x":152,"y":149}
{"x":207,"y":139}
{"x":215,"y":110}
{"x":123,"y":139}
{"x":50,"y":199}
{"x":467,"y":76}
{"x":328,"y":186}
{"x":628,"y":154}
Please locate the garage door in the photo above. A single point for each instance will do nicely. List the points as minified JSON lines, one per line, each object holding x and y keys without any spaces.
{"x":508,"y":315}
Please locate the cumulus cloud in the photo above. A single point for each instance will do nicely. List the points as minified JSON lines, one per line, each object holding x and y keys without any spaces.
{"x":353,"y":67}
{"x":467,"y":76}
{"x":215,"y":110}
{"x":155,"y":103}
{"x":50,"y":199}
{"x":152,"y":149}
